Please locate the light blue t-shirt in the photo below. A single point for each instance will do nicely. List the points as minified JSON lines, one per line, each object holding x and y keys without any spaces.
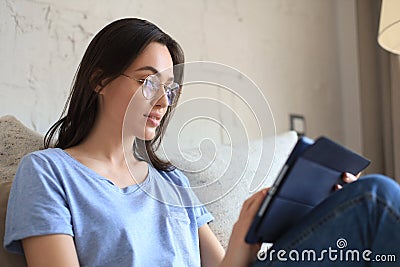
{"x":55,"y":194}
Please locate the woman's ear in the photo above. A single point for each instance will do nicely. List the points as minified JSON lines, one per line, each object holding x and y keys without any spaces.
{"x":96,"y":82}
{"x":98,"y":88}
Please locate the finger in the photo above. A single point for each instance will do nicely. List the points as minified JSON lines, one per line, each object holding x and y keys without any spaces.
{"x":338,"y":187}
{"x":257,"y":201}
{"x":248,"y":202}
{"x":348,"y":177}
{"x":251,"y":205}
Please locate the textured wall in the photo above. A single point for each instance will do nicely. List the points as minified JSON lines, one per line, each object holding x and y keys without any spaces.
{"x":289,"y":48}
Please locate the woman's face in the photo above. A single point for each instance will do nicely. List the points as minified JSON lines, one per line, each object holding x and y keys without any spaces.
{"x":123,"y":101}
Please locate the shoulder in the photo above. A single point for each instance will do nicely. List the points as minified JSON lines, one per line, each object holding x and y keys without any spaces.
{"x":175,"y":176}
{"x":46,"y":159}
{"x":40,"y":163}
{"x":49,"y":154}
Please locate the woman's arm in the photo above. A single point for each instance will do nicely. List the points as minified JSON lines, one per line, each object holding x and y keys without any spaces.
{"x":50,"y":250}
{"x":211,"y":251}
{"x":239,"y":253}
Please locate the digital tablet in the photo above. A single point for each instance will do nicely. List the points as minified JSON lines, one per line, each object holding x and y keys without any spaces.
{"x":307,"y":178}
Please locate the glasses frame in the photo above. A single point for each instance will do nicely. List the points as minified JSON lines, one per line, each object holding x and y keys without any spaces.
{"x":165,"y":87}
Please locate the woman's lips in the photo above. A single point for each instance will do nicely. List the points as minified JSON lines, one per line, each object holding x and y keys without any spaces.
{"x":153,"y":120}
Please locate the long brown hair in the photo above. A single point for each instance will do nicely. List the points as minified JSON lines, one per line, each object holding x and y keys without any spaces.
{"x":108,"y":55}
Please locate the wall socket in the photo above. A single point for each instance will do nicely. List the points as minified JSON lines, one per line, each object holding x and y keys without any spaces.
{"x":298,"y":124}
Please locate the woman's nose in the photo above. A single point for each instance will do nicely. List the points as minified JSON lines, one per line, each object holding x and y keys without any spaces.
{"x":161,"y":100}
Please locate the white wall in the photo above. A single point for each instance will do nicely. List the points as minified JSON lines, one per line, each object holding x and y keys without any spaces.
{"x":289,"y":48}
{"x":348,"y":55}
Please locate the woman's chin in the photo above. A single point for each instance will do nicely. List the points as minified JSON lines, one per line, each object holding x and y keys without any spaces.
{"x":146,"y":133}
{"x":149,"y":134}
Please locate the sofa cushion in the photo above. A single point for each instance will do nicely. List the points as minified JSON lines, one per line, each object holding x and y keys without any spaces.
{"x":7,"y":259}
{"x":16,"y":140}
{"x":224,"y":197}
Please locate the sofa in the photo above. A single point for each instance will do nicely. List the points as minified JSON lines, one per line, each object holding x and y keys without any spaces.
{"x":16,"y":140}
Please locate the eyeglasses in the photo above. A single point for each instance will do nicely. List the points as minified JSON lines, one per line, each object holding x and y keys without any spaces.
{"x":152,"y":84}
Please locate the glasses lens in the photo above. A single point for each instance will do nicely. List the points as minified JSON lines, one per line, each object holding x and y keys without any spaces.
{"x":172,"y":92}
{"x":150,"y":87}
{"x":152,"y":84}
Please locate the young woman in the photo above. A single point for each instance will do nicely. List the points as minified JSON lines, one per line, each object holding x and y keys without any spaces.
{"x":81,"y":205}
{"x":82,"y":202}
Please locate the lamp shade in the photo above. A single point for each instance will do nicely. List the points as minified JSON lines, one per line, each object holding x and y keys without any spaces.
{"x":389,"y":26}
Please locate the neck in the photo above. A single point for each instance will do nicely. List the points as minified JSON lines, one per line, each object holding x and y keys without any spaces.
{"x":106,"y":143}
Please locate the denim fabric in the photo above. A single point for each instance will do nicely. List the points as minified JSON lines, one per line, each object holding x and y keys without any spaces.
{"x":358,"y":225}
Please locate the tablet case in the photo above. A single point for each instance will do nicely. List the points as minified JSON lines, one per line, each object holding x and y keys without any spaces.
{"x":307,"y":178}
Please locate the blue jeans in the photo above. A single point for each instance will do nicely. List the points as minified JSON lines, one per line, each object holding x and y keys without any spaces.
{"x":358,"y":225}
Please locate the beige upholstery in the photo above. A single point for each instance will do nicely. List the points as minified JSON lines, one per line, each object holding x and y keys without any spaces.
{"x":7,"y":259}
{"x":16,"y":140}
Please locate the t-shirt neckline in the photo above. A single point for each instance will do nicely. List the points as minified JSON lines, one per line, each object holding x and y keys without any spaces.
{"x":125,"y":190}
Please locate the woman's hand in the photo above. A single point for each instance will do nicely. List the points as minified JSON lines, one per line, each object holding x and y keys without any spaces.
{"x":239,"y":253}
{"x":348,"y":178}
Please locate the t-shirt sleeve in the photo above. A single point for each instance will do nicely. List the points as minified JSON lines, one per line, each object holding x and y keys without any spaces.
{"x":37,"y":204}
{"x":203,"y":216}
